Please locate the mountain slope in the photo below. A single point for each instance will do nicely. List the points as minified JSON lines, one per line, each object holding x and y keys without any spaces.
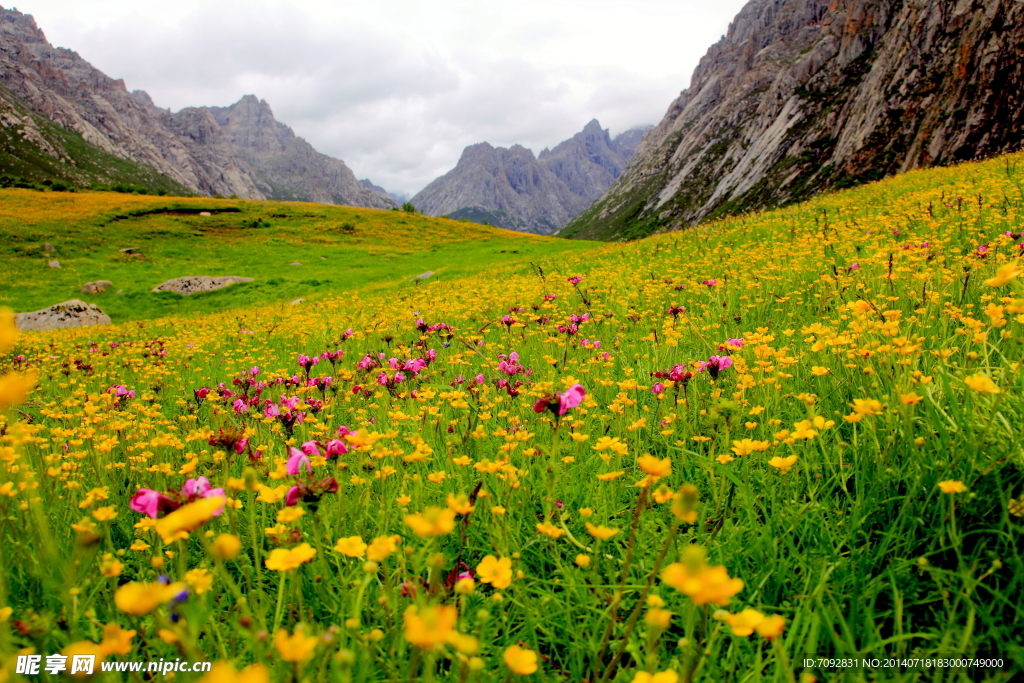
{"x":513,"y":189}
{"x":803,"y":95}
{"x":246,"y":153}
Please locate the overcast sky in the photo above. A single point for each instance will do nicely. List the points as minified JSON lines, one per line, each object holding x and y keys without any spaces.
{"x":397,"y":88}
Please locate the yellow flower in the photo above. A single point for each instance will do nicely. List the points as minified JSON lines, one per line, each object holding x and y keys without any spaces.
{"x":403,"y":500}
{"x":430,"y":627}
{"x":520,"y":661}
{"x":8,"y":330}
{"x":290,"y":514}
{"x":14,"y":388}
{"x":5,"y":614}
{"x":496,"y":572}
{"x":283,"y":560}
{"x":610,"y":476}
{"x":226,"y":547}
{"x":983,"y":384}
{"x":116,"y":641}
{"x":952,"y":486}
{"x":582,"y":561}
{"x":655,"y":467}
{"x":186,"y":518}
{"x":138,"y":599}
{"x":224,"y":672}
{"x":742,"y":624}
{"x":297,"y":647}
{"x":460,"y":505}
{"x":770,"y":627}
{"x":110,"y":567}
{"x":783,"y":464}
{"x":667,"y":676}
{"x":601,"y":533}
{"x":433,"y":521}
{"x":549,"y":529}
{"x":350,"y":546}
{"x":199,"y":579}
{"x":911,"y":399}
{"x":104,"y":514}
{"x":1005,"y":273}
{"x":819,"y":371}
{"x":381,"y":547}
{"x":702,"y":583}
{"x":748,"y":446}
{"x":866,"y":406}
{"x":83,"y":648}
{"x":684,"y":504}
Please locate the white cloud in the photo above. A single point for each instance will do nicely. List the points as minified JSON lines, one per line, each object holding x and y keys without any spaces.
{"x":397,"y":88}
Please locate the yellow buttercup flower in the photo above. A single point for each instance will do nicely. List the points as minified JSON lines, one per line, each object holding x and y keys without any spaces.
{"x":433,"y":521}
{"x":496,"y":572}
{"x":952,"y":486}
{"x":177,"y":524}
{"x":381,"y":547}
{"x":352,"y":546}
{"x":783,"y":464}
{"x":982,"y":384}
{"x":601,"y":533}
{"x":667,"y":676}
{"x":654,"y":466}
{"x":1004,"y":274}
{"x":224,"y":672}
{"x":297,"y":647}
{"x":226,"y":547}
{"x":138,"y":599}
{"x":520,"y":661}
{"x":700,"y":582}
{"x":283,"y":560}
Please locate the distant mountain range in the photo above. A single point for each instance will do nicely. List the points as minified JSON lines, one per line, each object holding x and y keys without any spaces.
{"x":806,"y":95}
{"x":62,"y":118}
{"x":511,"y":188}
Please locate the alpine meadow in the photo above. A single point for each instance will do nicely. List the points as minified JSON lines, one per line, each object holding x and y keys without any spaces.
{"x":712,"y":454}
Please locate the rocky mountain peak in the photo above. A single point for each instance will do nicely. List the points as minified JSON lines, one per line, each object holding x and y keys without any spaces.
{"x":511,"y":188}
{"x":803,"y":95}
{"x":237,"y":150}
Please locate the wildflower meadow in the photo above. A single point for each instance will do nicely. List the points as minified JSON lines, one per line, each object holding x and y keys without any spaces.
{"x":722,"y":454}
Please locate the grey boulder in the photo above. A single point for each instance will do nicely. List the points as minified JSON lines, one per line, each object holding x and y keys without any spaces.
{"x":67,"y":314}
{"x":198,"y":283}
{"x":96,"y":286}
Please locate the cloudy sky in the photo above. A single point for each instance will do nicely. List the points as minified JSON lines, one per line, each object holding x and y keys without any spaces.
{"x":397,"y":88}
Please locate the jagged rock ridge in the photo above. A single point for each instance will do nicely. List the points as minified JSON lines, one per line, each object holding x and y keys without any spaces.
{"x":803,"y":95}
{"x":512,"y":188}
{"x":238,"y":150}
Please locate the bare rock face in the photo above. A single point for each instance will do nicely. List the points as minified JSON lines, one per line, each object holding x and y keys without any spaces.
{"x":805,"y":95}
{"x":96,"y":286}
{"x":510,"y":188}
{"x":287,"y":167}
{"x":198,"y":283}
{"x":73,"y":313}
{"x":238,"y":150}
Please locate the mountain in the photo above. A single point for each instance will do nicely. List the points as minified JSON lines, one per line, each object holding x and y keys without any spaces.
{"x":81,"y":114}
{"x":803,"y":95}
{"x":511,"y":188}
{"x":399,"y":198}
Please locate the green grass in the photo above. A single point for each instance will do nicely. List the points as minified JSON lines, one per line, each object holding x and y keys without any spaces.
{"x":340,"y":248}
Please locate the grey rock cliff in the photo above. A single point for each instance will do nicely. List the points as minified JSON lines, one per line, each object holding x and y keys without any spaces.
{"x":511,"y":188}
{"x":803,"y":95}
{"x":238,"y":150}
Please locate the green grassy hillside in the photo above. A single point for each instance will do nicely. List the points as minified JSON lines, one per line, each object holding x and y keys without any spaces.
{"x":340,"y":248}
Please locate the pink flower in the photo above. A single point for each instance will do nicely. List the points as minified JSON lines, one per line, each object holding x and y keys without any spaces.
{"x":293,"y":496}
{"x":480,"y":379}
{"x":146,"y":502}
{"x":657,"y":388}
{"x":336,"y":447}
{"x":296,"y":460}
{"x":311,"y":448}
{"x":240,"y":406}
{"x":241,"y":445}
{"x":570,"y":398}
{"x":196,"y":487}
